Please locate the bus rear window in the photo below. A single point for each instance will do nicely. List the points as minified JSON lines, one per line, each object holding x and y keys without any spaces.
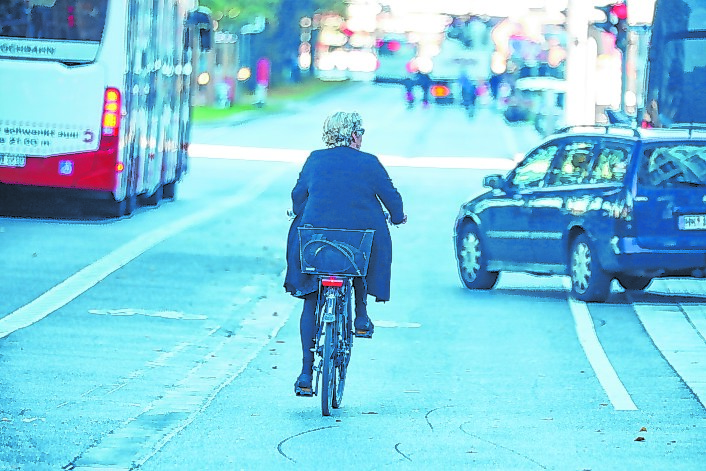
{"x":66,"y":20}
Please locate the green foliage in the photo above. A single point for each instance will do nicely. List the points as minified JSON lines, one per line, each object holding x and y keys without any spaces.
{"x":280,"y":40}
{"x":232,"y":14}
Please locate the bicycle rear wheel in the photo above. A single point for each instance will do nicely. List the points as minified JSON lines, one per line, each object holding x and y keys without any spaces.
{"x":344,"y":340}
{"x":329,"y":368}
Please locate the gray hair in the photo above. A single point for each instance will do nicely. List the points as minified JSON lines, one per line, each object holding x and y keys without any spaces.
{"x":339,"y":128}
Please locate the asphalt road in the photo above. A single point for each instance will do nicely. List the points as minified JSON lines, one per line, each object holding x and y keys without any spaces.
{"x":165,"y":341}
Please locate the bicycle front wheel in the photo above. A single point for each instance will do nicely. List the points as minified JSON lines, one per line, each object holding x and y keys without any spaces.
{"x":329,"y":368}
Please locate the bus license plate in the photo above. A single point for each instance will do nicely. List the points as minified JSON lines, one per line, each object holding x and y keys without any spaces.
{"x":12,"y":160}
{"x":692,"y":222}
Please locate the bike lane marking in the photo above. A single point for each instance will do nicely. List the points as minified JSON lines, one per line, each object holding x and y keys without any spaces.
{"x":138,"y":439}
{"x":586,"y":331}
{"x":679,"y":333}
{"x":83,"y":280}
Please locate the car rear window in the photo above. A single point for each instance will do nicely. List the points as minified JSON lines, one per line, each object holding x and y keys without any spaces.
{"x":673,"y":165}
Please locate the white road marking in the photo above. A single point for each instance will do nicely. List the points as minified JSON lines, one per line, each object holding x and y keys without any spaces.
{"x":83,"y":280}
{"x":605,"y":373}
{"x":679,"y":332}
{"x":395,"y":324}
{"x":144,"y":312}
{"x":213,"y":151}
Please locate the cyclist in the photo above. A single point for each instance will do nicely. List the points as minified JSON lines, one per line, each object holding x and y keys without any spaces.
{"x":341,"y":187}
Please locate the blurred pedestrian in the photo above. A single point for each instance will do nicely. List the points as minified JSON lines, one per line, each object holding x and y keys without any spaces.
{"x":262,"y":78}
{"x":424,"y":81}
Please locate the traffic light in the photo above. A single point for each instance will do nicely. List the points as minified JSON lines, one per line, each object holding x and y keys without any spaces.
{"x":616,"y":23}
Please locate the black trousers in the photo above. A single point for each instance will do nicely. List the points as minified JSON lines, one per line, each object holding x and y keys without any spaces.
{"x":307,"y":322}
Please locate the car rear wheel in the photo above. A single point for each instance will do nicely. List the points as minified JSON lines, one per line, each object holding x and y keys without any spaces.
{"x":472,"y":261}
{"x":588,"y":280}
{"x":636,"y":283}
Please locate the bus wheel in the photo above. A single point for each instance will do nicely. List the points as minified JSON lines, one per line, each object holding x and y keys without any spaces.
{"x":130,"y":204}
{"x":154,"y":198}
{"x":116,"y":209}
{"x":169,"y":191}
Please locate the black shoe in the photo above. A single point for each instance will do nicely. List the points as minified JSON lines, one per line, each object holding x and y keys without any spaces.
{"x":302,"y":386}
{"x":364,"y":327}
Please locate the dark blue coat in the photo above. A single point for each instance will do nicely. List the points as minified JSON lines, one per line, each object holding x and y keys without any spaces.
{"x":342,"y":188}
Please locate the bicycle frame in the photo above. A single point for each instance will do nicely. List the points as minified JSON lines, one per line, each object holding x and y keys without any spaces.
{"x":334,"y":339}
{"x":335,"y":257}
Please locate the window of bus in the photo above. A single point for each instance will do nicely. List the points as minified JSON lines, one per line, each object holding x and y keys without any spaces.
{"x":72,"y":20}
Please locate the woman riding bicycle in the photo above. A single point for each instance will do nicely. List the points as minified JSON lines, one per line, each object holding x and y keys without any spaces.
{"x":341,"y":187}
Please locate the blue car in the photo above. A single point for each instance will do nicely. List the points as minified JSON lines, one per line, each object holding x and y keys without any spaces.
{"x":595,"y":203}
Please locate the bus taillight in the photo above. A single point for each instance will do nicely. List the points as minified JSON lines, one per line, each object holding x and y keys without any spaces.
{"x":440,"y":91}
{"x":111,"y":112}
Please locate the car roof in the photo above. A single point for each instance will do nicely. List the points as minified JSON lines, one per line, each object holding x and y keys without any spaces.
{"x":677,"y":132}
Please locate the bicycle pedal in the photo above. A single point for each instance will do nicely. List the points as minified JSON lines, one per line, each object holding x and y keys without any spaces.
{"x":364,"y":334}
{"x":303,"y":391}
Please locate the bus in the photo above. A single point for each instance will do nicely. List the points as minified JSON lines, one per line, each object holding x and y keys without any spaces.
{"x":95,"y":97}
{"x":676,"y":65}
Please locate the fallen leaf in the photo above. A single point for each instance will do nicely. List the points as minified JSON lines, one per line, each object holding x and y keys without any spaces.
{"x":640,"y":439}
{"x":643,"y":429}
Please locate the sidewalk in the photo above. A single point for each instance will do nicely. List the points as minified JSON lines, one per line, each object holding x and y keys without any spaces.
{"x":275,"y":105}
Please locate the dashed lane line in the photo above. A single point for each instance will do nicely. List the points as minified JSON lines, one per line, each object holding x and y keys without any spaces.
{"x":598,"y":359}
{"x":86,"y":278}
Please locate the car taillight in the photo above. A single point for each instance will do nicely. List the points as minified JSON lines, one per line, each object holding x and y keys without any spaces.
{"x":111,"y":112}
{"x":440,"y":91}
{"x":332,"y":281}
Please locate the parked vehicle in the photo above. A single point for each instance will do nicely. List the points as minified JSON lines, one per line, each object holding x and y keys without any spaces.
{"x":595,"y":203}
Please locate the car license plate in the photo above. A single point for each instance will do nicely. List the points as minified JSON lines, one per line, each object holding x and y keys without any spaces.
{"x":12,"y":160}
{"x":692,"y":222}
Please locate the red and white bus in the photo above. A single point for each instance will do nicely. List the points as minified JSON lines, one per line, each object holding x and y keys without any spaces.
{"x":95,"y":96}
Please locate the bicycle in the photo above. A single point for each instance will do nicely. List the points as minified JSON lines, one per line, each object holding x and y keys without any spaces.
{"x":336,"y":257}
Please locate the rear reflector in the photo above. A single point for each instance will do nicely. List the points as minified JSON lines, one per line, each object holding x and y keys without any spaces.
{"x":332,"y":281}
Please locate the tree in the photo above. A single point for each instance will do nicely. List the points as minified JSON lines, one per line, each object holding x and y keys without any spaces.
{"x":281,"y":38}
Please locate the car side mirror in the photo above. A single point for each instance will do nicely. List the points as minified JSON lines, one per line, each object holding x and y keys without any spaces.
{"x":496,"y":182}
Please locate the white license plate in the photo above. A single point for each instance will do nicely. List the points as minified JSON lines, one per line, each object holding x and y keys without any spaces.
{"x":692,"y":222}
{"x":12,"y":160}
